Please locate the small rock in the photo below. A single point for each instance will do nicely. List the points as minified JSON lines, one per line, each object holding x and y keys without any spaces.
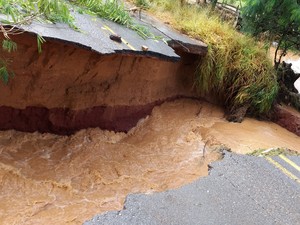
{"x":116,"y":38}
{"x":145,"y":48}
{"x":134,"y":9}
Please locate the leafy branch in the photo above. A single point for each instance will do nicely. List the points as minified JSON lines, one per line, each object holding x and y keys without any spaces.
{"x":5,"y":74}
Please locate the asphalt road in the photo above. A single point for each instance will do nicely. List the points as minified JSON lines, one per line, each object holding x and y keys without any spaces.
{"x":239,"y":190}
{"x":94,"y":34}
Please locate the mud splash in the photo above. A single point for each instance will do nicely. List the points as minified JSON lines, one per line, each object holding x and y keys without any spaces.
{"x":50,"y":179}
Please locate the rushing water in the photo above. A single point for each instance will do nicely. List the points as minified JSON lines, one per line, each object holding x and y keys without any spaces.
{"x":50,"y":179}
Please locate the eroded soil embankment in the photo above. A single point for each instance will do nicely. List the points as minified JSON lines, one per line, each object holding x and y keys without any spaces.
{"x":67,"y":88}
{"x":50,"y":179}
{"x":288,"y":118}
{"x":66,"y":121}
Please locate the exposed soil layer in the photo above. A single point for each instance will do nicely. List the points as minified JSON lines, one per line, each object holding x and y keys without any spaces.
{"x":66,"y":122}
{"x":288,"y":118}
{"x":67,"y":88}
{"x":69,"y":77}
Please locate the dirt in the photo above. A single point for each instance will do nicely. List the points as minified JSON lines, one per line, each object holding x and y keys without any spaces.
{"x":287,"y":117}
{"x":67,"y":88}
{"x":51,"y":179}
{"x":69,"y":77}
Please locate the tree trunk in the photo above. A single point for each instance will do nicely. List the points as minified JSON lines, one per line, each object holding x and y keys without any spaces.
{"x":276,"y":64}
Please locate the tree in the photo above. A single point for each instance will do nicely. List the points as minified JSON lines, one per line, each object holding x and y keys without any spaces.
{"x":275,"y":20}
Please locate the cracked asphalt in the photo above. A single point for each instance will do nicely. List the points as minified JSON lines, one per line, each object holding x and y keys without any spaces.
{"x":239,"y":190}
{"x":94,"y":34}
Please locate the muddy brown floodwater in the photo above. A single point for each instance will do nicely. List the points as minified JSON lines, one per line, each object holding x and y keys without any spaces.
{"x":51,"y":179}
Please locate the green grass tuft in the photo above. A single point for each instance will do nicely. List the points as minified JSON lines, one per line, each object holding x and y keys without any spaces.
{"x":5,"y":74}
{"x":142,"y":3}
{"x":273,"y":152}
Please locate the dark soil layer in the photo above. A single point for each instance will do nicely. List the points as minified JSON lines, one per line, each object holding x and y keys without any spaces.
{"x":287,"y":118}
{"x":66,"y":121}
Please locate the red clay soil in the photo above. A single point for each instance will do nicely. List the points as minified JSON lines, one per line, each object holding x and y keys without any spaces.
{"x":67,"y":88}
{"x":66,"y":121}
{"x":288,"y":118}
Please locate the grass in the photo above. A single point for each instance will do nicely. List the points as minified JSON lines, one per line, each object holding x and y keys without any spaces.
{"x":236,"y":68}
{"x":9,"y":46}
{"x":5,"y":74}
{"x":142,"y":3}
{"x":115,"y":11}
{"x":20,"y":11}
{"x":273,"y":152}
{"x":53,"y":11}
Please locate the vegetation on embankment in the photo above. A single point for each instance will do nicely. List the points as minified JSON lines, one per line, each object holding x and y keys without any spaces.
{"x":236,"y":68}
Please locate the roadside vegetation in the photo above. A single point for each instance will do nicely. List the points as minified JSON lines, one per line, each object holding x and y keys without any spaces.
{"x":274,"y":21}
{"x":278,"y":22}
{"x":274,"y":152}
{"x":21,"y":12}
{"x":236,"y":68}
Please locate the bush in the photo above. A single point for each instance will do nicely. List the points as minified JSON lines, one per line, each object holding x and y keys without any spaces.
{"x":142,"y":3}
{"x":236,"y":68}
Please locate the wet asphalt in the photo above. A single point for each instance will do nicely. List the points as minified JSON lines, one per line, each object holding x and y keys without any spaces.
{"x":239,"y":190}
{"x":94,"y":33}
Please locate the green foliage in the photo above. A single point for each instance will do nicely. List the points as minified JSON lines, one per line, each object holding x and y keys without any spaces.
{"x":164,"y":5}
{"x":4,"y":73}
{"x":235,"y":68}
{"x":274,"y":20}
{"x":8,"y":45}
{"x":40,"y":41}
{"x":55,"y":11}
{"x":115,"y":11}
{"x":142,"y":3}
{"x":20,"y":11}
{"x":108,"y":9}
{"x":273,"y":152}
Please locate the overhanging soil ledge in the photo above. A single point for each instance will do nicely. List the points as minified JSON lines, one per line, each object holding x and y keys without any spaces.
{"x":67,"y":88}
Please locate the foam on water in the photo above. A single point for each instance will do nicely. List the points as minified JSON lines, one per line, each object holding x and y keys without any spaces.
{"x":296,"y":68}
